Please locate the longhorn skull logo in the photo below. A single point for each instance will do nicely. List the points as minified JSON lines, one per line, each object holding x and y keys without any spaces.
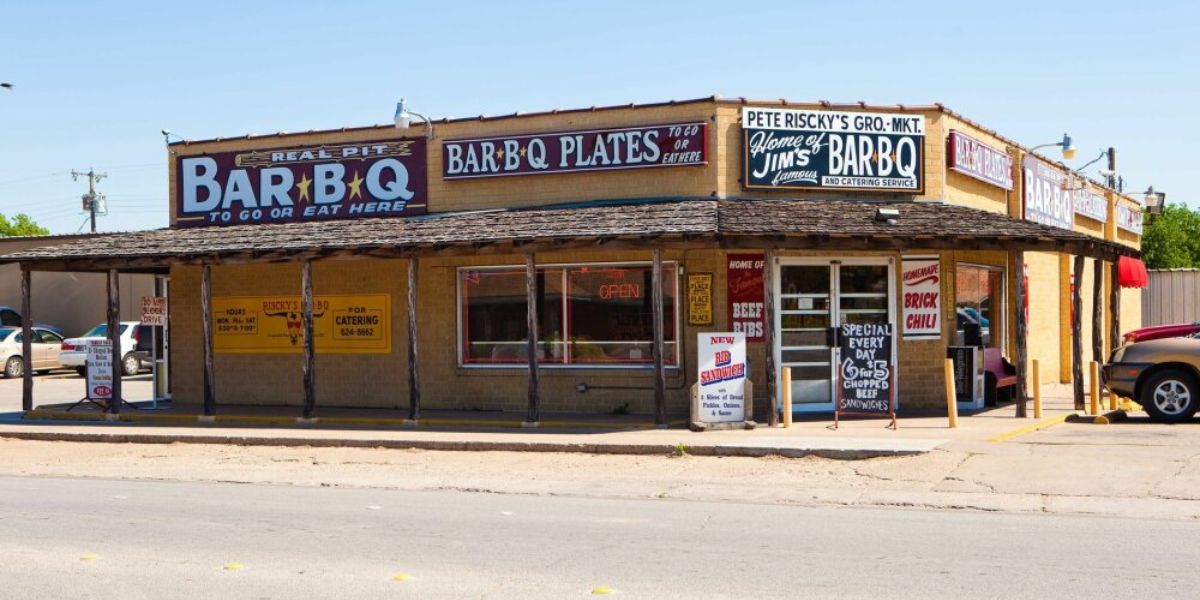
{"x":294,"y":323}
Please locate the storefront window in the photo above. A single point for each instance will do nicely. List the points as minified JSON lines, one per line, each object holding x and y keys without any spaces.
{"x":979,"y":306}
{"x":589,"y":314}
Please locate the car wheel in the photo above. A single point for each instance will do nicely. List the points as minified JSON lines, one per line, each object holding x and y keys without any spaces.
{"x":1170,"y":396}
{"x":82,"y":371}
{"x":130,"y":365}
{"x":14,"y":367}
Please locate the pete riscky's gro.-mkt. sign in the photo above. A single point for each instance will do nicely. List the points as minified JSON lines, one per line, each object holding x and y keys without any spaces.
{"x":828,"y":150}
{"x":302,"y":183}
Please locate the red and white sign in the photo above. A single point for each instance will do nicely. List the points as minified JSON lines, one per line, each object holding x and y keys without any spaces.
{"x":154,"y":311}
{"x":922,"y":294}
{"x":99,"y":369}
{"x":721,"y":375}
{"x":745,"y":295}
{"x":1129,"y":218}
{"x":973,"y":158}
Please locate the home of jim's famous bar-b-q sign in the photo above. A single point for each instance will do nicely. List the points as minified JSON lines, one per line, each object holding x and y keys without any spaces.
{"x":828,"y":150}
{"x":378,"y":178}
{"x":573,"y":151}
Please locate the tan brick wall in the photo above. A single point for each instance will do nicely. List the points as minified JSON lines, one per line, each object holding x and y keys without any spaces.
{"x":381,"y":380}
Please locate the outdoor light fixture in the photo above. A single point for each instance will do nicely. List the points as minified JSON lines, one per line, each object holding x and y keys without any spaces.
{"x":1155,"y":201}
{"x":167,"y":133}
{"x":887,"y":215}
{"x":1068,"y":147}
{"x":404,"y":118}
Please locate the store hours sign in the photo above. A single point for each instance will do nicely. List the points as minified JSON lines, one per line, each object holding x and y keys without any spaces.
{"x":375,"y":178}
{"x":830,"y":150}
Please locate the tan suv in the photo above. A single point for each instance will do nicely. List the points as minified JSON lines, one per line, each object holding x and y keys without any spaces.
{"x":1162,"y":375}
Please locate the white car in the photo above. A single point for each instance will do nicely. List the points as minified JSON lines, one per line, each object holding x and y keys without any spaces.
{"x":134,"y":337}
{"x":44,"y":345}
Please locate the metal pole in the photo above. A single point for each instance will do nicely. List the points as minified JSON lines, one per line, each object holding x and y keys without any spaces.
{"x":26,"y":341}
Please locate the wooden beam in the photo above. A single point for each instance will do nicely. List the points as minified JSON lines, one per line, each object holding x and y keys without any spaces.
{"x":414,"y":381}
{"x":769,"y":334}
{"x":660,"y":377}
{"x":114,"y":336}
{"x":1077,"y":333}
{"x":310,"y":350}
{"x":533,"y":415}
{"x":1098,"y":312}
{"x":1022,"y":357}
{"x":210,"y":402}
{"x":1114,"y":304}
{"x":26,"y":341}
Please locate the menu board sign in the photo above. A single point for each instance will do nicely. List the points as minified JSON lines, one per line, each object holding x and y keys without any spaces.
{"x":829,"y":150}
{"x":99,"y":370}
{"x":865,"y":369}
{"x":722,"y":377}
{"x":745,"y":294}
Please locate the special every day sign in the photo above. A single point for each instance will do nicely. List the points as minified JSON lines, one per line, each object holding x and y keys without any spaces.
{"x":830,"y":150}
{"x":722,"y":377}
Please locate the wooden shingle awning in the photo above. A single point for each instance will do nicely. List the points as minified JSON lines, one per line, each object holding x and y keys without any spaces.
{"x":830,"y":225}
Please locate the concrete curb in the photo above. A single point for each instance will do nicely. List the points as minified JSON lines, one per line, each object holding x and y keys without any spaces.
{"x":759,"y":449}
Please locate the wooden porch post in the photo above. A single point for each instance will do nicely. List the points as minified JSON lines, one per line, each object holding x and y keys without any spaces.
{"x":310,"y":353}
{"x":769,"y":334}
{"x":210,"y":402}
{"x":414,"y":381}
{"x":531,"y":317}
{"x":26,"y":341}
{"x":1077,"y":332}
{"x":1022,"y":334}
{"x":660,"y":378}
{"x":1114,"y":303}
{"x":1098,"y":312}
{"x":114,"y":336}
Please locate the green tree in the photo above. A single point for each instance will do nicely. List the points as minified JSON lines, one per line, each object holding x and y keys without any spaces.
{"x":1172,"y":239}
{"x":21,"y":226}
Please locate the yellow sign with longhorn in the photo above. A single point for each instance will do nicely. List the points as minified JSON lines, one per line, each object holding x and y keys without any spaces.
{"x":342,"y":324}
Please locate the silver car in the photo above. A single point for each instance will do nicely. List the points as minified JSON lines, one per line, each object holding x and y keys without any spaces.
{"x":45,"y":347}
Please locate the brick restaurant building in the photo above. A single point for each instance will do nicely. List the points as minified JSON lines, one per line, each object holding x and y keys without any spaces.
{"x":774,"y":218}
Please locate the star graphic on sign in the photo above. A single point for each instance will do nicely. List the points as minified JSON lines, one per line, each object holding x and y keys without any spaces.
{"x":355,"y":186}
{"x":523,"y":150}
{"x":499,"y":153}
{"x":303,"y":186}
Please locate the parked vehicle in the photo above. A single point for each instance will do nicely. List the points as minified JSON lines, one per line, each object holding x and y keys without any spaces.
{"x":9,"y":317}
{"x":1162,"y":375}
{"x":135,"y":341}
{"x":1161,"y":331}
{"x":45,"y":346}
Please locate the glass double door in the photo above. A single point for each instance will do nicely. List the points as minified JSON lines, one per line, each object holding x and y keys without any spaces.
{"x":813,"y":297}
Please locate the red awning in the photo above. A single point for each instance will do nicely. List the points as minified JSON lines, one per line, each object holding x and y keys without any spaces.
{"x":1132,"y":273}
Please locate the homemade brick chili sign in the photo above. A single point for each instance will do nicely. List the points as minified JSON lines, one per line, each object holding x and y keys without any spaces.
{"x":379,"y":178}
{"x":573,"y":151}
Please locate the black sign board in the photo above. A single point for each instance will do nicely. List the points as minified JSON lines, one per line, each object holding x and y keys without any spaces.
{"x":963,"y":358}
{"x":866,"y":371}
{"x":797,"y":149}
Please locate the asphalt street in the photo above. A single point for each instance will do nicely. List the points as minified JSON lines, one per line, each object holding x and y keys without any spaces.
{"x":96,"y":538}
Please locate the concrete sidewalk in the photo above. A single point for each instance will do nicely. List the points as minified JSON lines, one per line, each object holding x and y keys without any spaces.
{"x":855,"y":439}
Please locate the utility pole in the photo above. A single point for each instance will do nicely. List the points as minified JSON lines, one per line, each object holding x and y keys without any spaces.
{"x":89,"y":199}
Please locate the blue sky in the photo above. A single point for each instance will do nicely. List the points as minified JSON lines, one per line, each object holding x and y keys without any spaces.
{"x":96,"y":82}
